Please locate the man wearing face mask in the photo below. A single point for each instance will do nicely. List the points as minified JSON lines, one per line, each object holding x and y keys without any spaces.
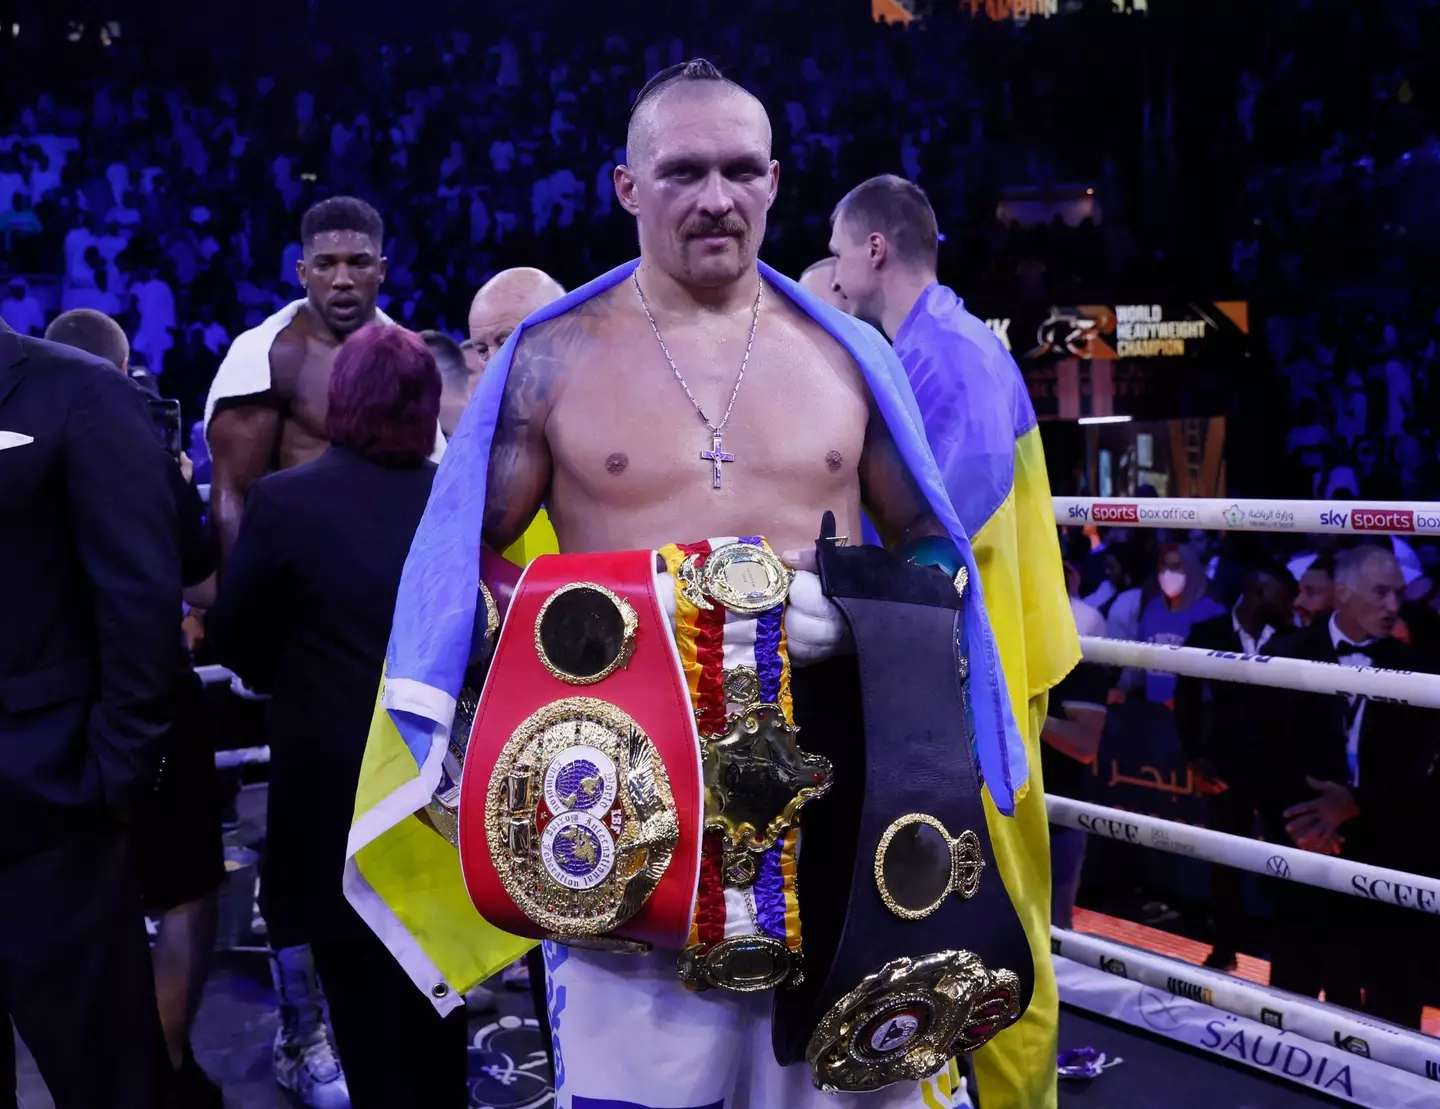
{"x":1216,"y":721}
{"x":1356,"y":778}
{"x":1170,"y":606}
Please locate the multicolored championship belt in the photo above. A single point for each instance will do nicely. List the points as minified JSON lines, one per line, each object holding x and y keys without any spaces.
{"x":581,"y":798}
{"x":914,"y":952}
{"x":730,"y":596}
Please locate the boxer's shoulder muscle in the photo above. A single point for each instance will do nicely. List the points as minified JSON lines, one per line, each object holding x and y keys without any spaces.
{"x":287,"y":358}
{"x":520,"y":462}
{"x":301,"y":361}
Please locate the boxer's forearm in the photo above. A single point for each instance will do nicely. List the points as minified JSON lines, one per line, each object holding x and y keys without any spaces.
{"x":242,"y":444}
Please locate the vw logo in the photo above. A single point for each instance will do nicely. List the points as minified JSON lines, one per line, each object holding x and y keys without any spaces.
{"x":1277,"y":866}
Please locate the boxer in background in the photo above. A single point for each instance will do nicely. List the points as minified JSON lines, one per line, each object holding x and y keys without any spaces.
{"x":266,"y":411}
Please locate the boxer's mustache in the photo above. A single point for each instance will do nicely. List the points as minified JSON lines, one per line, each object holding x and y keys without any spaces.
{"x":733,"y":227}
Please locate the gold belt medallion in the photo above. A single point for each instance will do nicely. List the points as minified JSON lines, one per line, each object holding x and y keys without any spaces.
{"x":579,"y":817}
{"x":757,"y":778}
{"x":742,"y":577}
{"x":903,"y":1022}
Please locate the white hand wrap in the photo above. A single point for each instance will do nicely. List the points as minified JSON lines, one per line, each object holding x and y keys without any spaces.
{"x":814,"y":627}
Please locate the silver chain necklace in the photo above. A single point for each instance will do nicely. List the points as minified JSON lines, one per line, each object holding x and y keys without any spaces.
{"x":716,"y":454}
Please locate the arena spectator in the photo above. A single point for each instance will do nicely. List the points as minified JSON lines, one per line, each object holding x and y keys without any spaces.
{"x":21,"y":310}
{"x":1172,"y":603}
{"x":1216,"y":722}
{"x":1353,"y":777}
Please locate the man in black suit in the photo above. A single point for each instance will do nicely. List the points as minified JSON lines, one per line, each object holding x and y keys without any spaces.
{"x":90,"y":591}
{"x":1356,"y":778}
{"x":1217,"y":726}
{"x":176,"y":831}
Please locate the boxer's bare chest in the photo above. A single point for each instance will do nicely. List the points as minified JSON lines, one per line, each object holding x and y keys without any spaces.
{"x":635,"y":465}
{"x":300,"y":367}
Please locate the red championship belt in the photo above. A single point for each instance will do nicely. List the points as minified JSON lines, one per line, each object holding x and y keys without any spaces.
{"x":581,"y":800}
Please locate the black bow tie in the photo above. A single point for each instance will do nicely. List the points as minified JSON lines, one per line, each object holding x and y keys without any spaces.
{"x":1345,"y":648}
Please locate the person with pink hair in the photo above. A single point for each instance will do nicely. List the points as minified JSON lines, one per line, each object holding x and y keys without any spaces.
{"x":304,"y":614}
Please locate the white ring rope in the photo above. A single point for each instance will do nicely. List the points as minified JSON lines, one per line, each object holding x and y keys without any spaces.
{"x":232,"y":757}
{"x":1374,"y":883}
{"x":1324,"y":1024}
{"x":1401,"y":687}
{"x":1301,"y":517}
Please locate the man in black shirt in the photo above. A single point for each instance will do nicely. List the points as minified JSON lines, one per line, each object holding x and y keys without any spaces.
{"x":1217,"y":724}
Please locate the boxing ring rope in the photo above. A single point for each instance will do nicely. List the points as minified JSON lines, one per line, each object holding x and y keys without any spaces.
{"x":1332,"y":1050}
{"x":1218,"y":514}
{"x":1374,"y":883}
{"x":1412,"y":1052}
{"x":1396,"y":686}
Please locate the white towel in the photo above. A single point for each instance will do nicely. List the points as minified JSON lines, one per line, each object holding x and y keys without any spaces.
{"x":245,"y":369}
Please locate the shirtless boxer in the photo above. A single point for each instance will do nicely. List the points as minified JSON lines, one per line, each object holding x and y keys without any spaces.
{"x":596,"y":422}
{"x":624,"y":408}
{"x":282,"y":423}
{"x":258,"y":422}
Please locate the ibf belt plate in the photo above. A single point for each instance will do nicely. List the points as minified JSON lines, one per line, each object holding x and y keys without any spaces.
{"x":580,"y":818}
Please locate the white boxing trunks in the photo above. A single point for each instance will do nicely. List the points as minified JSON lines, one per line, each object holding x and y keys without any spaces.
{"x":629,"y":1035}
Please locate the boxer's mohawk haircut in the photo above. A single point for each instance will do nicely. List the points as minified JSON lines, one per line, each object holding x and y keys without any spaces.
{"x":696,"y":69}
{"x":342,"y":213}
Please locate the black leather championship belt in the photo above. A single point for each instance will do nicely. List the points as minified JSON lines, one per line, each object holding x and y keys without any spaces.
{"x":913,"y":950}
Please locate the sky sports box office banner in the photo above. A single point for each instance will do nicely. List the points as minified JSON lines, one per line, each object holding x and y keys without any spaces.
{"x":1298,"y":517}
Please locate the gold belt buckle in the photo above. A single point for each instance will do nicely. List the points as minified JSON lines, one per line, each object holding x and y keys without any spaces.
{"x":757,"y":778}
{"x":904,"y":1021}
{"x":743,"y":964}
{"x":742,"y":577}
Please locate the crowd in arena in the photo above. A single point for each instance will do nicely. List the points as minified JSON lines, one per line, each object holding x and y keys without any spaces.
{"x":171,"y":202}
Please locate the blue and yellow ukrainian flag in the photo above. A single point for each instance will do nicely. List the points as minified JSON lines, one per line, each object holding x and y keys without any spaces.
{"x":983,"y":434}
{"x":410,"y":876}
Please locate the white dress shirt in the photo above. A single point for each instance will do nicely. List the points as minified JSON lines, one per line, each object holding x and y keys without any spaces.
{"x":1248,"y":643}
{"x":1357,"y":655}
